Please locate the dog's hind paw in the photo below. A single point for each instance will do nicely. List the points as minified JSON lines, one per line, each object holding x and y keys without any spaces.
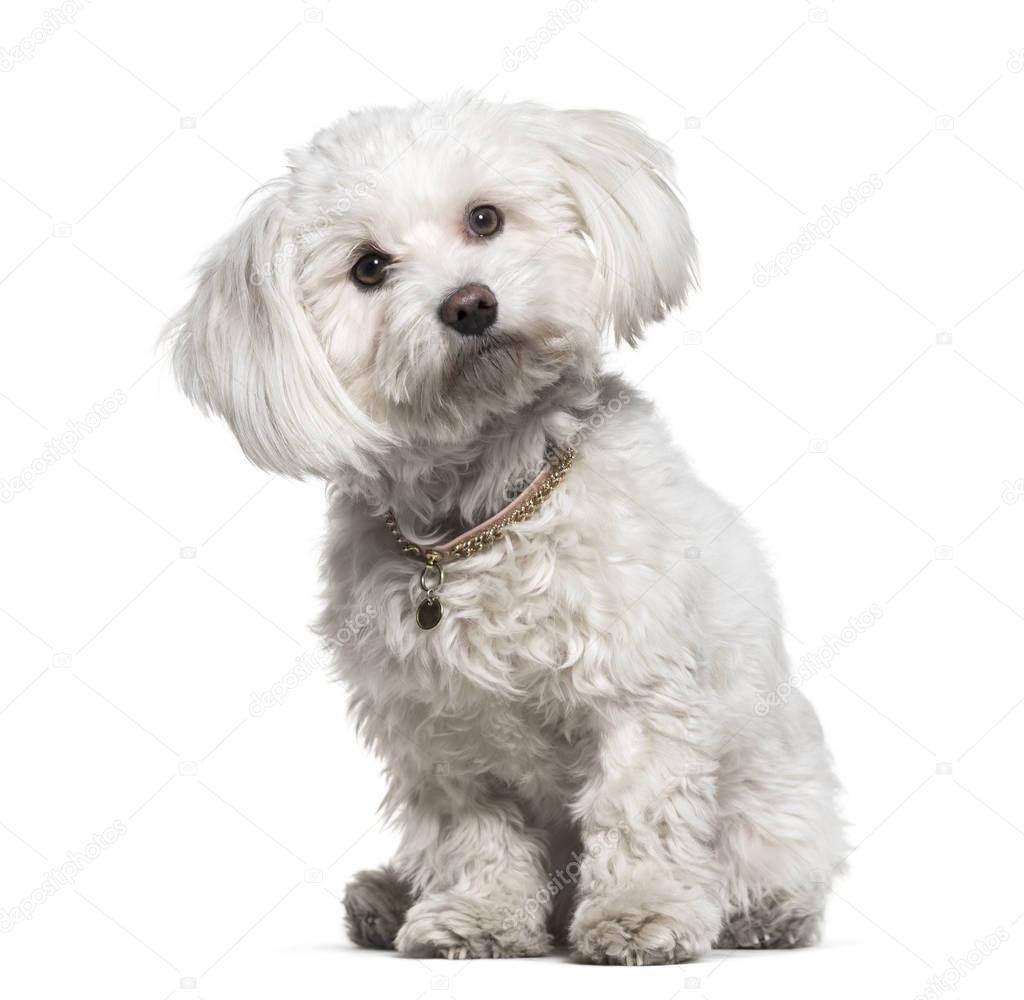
{"x":773,"y":925}
{"x":375,"y":906}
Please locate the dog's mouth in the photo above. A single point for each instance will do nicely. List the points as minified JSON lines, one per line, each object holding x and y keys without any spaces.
{"x":492,"y":351}
{"x":505,"y":360}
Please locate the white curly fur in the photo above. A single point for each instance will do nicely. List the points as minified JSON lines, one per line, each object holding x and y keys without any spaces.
{"x":589,"y":701}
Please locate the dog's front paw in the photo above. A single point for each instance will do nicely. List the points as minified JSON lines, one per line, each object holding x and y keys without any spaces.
{"x":454,"y":925}
{"x":634,"y":928}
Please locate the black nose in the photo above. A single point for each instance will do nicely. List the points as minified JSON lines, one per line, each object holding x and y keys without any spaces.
{"x":470,"y":310}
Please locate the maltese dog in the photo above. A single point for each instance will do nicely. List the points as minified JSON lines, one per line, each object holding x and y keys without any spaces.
{"x":565,"y":648}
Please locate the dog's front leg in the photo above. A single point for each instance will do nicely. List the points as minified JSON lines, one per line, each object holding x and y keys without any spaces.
{"x":479,"y":872}
{"x":650,"y":887}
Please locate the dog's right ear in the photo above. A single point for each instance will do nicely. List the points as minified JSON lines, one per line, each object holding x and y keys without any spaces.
{"x":244,"y":348}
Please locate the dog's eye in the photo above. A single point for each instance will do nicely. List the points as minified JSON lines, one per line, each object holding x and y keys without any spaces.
{"x":371,"y":268}
{"x":484,"y":220}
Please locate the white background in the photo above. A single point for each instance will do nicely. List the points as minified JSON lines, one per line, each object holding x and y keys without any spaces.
{"x":865,"y":408}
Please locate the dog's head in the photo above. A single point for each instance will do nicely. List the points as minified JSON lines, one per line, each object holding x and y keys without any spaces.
{"x":421,"y":274}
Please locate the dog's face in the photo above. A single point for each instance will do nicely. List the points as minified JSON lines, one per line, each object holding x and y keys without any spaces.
{"x":422,"y":273}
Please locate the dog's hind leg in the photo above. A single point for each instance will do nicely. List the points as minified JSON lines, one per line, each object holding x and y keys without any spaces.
{"x":375,"y":906}
{"x":780,"y":840}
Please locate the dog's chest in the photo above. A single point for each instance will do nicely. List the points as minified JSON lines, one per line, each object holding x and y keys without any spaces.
{"x":539,"y":617}
{"x":505,"y":624}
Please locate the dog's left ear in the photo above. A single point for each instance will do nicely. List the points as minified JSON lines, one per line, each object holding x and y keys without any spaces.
{"x":630,"y":213}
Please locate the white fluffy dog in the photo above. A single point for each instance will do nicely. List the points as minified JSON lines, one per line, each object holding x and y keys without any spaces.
{"x":580,"y":719}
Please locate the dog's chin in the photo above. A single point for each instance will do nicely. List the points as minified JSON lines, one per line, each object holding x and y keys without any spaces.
{"x":486,"y":377}
{"x":488,"y":372}
{"x":505,"y":368}
{"x":485,"y":353}
{"x":454,"y":388}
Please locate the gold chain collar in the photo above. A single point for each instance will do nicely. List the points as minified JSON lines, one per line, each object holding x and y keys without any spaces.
{"x":429,"y":611}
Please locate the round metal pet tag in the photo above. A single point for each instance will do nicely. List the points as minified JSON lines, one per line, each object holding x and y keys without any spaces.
{"x":428,"y":614}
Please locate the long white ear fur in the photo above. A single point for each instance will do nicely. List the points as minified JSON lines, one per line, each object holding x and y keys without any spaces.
{"x":243,"y":348}
{"x":630,"y":211}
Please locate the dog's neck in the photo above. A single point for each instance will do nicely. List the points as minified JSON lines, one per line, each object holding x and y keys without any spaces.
{"x":437,"y":492}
